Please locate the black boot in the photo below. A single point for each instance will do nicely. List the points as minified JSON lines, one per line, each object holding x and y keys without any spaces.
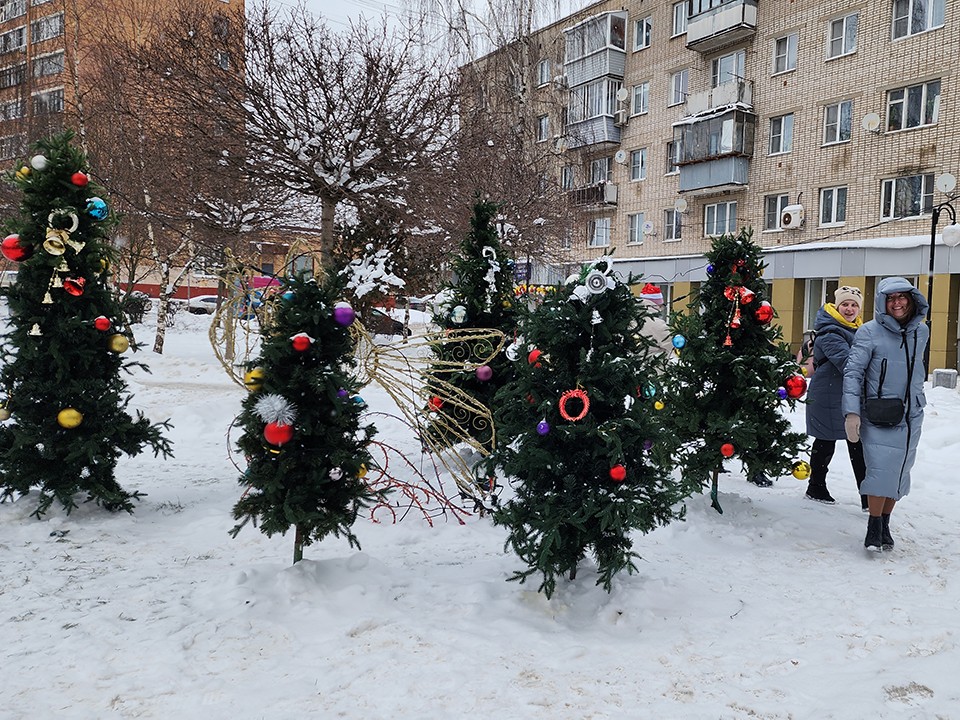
{"x":818,"y":491}
{"x":819,"y":461}
{"x":760,"y":480}
{"x":886,"y":539}
{"x":863,"y":503}
{"x":874,"y":541}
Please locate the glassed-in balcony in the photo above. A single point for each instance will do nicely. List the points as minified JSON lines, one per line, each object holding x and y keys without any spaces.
{"x":603,"y":193}
{"x":715,"y":149}
{"x":714,"y":24}
{"x":595,"y":48}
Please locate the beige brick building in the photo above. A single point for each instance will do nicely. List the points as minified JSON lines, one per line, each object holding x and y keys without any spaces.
{"x":683,"y":120}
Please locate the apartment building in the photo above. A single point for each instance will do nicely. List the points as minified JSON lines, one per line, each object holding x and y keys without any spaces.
{"x":829,"y":127}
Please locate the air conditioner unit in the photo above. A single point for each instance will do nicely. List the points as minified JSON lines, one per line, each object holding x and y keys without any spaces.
{"x":792,"y":217}
{"x":621,"y":117}
{"x":560,"y":81}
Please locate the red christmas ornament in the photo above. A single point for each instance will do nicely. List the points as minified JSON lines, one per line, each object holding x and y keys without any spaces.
{"x":534,"y":357}
{"x":577,"y":394}
{"x":728,"y":342}
{"x":746,"y":295}
{"x":79,"y":179}
{"x":764,"y":313}
{"x":735,"y":322}
{"x":74,"y":285}
{"x":436,"y":403}
{"x":796,"y":386}
{"x":14,"y":250}
{"x":618,"y":473}
{"x":102,"y":323}
{"x":727,"y":450}
{"x":301,"y":342}
{"x":278,"y":433}
{"x":730,"y":292}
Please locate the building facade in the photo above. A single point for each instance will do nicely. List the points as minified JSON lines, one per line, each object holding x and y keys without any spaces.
{"x":829,"y":127}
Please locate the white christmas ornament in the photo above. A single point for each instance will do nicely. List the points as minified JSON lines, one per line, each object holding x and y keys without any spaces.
{"x":39,"y":162}
{"x":274,"y":408}
{"x":458,"y":315}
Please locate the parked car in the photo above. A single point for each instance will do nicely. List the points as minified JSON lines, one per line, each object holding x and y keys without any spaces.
{"x":381,"y":323}
{"x":202,"y":304}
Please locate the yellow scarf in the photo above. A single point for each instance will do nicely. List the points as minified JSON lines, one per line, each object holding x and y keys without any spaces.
{"x":835,"y":314}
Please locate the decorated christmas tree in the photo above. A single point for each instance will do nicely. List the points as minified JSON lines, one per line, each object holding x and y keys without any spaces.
{"x":580,"y":439}
{"x":726,"y":392}
{"x":303,"y":436}
{"x":65,"y":406}
{"x":481,"y":296}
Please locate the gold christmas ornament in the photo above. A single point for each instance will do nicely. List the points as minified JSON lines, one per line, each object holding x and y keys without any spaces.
{"x":253,"y":379}
{"x":69,"y":215}
{"x":658,"y":405}
{"x":4,"y":414}
{"x":54,"y":244}
{"x":801,"y":470}
{"x":118,"y":343}
{"x":23,"y":173}
{"x":362,"y":472}
{"x":69,"y":418}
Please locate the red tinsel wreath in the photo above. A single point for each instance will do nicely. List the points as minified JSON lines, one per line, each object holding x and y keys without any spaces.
{"x":577,"y":394}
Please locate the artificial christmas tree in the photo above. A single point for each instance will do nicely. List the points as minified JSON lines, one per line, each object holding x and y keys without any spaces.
{"x":579,"y":436}
{"x":480,"y":297}
{"x":302,"y":433}
{"x":726,"y":391}
{"x":65,"y":413}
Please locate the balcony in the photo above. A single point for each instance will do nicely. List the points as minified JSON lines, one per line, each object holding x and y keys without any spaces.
{"x":715,"y":149}
{"x":725,"y":24}
{"x":593,"y":131}
{"x":603,"y":193}
{"x":730,"y":93}
{"x":609,"y":62}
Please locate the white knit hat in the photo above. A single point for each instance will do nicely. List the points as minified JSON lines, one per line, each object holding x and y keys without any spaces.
{"x":847,"y":292}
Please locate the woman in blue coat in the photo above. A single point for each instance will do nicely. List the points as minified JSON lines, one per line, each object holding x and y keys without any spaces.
{"x":890,"y":347}
{"x":835,"y":325}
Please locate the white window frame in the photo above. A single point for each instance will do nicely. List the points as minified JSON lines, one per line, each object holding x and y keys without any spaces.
{"x":894,"y":192}
{"x":672,"y":167}
{"x":905,"y":98}
{"x":781,"y":134}
{"x":773,"y":206}
{"x":842,"y":36}
{"x":595,"y":99}
{"x":12,"y":109}
{"x":543,"y":128}
{"x":679,"y":82}
{"x":48,"y":102}
{"x":640,"y":100}
{"x":635,"y":228}
{"x":638,"y":164}
{"x":543,"y":72}
{"x":46,"y":28}
{"x":727,"y":68}
{"x":598,"y":232}
{"x":837,"y":121}
{"x":785,"y":53}
{"x":12,"y":9}
{"x":13,"y":39}
{"x":905,"y":13}
{"x":720,"y":218}
{"x":672,"y":225}
{"x":642,"y":33}
{"x":600,"y":169}
{"x":11,"y":146}
{"x":42,"y":64}
{"x":13,"y":75}
{"x":833,"y":206}
{"x":679,"y":19}
{"x":566,"y":177}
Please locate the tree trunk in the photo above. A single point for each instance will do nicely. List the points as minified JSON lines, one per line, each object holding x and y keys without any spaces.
{"x":298,"y":546}
{"x":328,"y":208}
{"x":163,"y":304}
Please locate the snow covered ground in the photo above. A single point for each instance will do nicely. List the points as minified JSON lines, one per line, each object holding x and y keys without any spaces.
{"x":772,"y":610}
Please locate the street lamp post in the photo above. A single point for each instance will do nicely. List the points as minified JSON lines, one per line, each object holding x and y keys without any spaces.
{"x":951,"y":238}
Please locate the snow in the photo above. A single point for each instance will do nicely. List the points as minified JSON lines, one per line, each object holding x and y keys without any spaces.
{"x":771,"y":610}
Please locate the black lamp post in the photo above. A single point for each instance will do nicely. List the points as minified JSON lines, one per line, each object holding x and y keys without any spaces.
{"x":951,"y":238}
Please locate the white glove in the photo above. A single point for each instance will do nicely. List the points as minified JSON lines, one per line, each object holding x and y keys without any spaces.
{"x":851,"y":424}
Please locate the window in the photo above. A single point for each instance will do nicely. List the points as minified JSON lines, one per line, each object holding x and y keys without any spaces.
{"x":673,"y":156}
{"x":906,"y":197}
{"x":543,"y":72}
{"x":785,"y":54}
{"x":45,"y":65}
{"x":10,"y":9}
{"x":599,"y":170}
{"x":11,"y":146}
{"x":678,"y":87}
{"x":13,"y":39}
{"x":566,"y":177}
{"x":635,"y":236}
{"x":773,"y":206}
{"x":47,"y":27}
{"x":221,"y":58}
{"x":781,"y":134}
{"x":641,"y":98}
{"x":727,"y":68}
{"x":13,"y":75}
{"x":34,"y":3}
{"x":836,"y":122}
{"x":679,"y":18}
{"x":543,"y":128}
{"x":913,"y":106}
{"x":598,"y":232}
{"x":641,"y":33}
{"x":671,"y":224}
{"x":916,"y":16}
{"x":842,"y":36}
{"x":720,"y":218}
{"x":593,"y":100}
{"x":47,"y":102}
{"x":638,"y":164}
{"x":12,"y":109}
{"x":833,"y":205}
{"x":600,"y":32}
{"x":817,"y":292}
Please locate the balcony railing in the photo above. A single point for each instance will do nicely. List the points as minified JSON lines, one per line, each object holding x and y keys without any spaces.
{"x":603,"y":193}
{"x":593,"y":131}
{"x":725,"y":24}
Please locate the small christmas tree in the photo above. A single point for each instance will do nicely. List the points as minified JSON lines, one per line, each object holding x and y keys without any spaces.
{"x":580,"y":436}
{"x":481,"y":296}
{"x":726,"y":392}
{"x":302,"y":434}
{"x":65,"y":406}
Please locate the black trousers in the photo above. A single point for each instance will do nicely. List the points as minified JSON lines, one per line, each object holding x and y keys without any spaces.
{"x":822,"y":455}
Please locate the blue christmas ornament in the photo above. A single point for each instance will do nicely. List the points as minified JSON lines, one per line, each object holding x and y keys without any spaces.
{"x":359,"y":401}
{"x":543,"y":427}
{"x":679,"y":341}
{"x":710,"y":269}
{"x":97,"y":208}
{"x":288,"y":295}
{"x":649,"y":390}
{"x":782,"y":393}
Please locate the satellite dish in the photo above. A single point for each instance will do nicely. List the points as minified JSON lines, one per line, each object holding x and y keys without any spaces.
{"x":620,"y":156}
{"x":680,"y":205}
{"x":870,"y":122}
{"x":622,"y":94}
{"x":945,"y":183}
{"x":647,"y":227}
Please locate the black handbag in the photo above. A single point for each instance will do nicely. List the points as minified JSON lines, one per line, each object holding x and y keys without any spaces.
{"x":881,"y":411}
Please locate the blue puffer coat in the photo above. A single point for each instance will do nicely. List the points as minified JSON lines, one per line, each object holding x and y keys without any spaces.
{"x":889,"y":452}
{"x":830,"y":350}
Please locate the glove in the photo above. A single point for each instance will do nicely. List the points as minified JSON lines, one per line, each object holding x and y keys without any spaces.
{"x":851,"y":425}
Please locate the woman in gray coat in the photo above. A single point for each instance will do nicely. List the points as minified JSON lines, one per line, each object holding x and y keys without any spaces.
{"x":886,"y":360}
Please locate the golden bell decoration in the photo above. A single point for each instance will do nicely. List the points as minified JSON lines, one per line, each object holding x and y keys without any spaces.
{"x":118,"y":343}
{"x":35,"y":330}
{"x":801,"y":470}
{"x":54,"y":244}
{"x":253,"y":379}
{"x":362,"y":472}
{"x":69,"y":418}
{"x":4,"y":414}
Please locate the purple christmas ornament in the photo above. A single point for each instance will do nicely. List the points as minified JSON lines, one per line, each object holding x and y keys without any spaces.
{"x":710,"y":269}
{"x":343,"y":314}
{"x":341,"y":393}
{"x":647,"y":444}
{"x":543,"y":427}
{"x":484,"y":373}
{"x":782,"y":393}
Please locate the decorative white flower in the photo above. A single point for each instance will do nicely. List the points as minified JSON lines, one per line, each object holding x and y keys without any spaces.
{"x":274,"y":408}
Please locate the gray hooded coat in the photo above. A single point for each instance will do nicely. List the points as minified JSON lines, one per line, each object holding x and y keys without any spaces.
{"x":889,"y":452}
